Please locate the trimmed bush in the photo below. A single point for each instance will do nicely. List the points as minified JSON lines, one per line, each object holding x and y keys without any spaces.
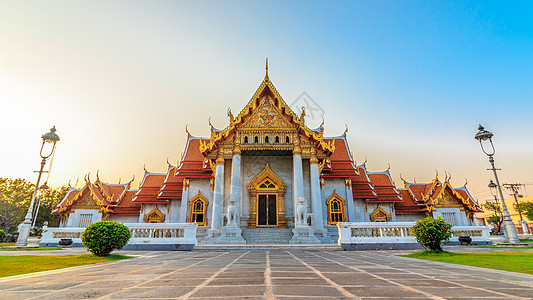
{"x":432,"y":233}
{"x":2,"y":235}
{"x":105,"y":236}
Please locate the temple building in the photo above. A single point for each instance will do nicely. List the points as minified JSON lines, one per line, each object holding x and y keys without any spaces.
{"x":266,"y":171}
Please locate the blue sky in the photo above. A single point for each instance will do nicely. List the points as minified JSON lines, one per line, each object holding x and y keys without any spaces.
{"x":411,"y":79}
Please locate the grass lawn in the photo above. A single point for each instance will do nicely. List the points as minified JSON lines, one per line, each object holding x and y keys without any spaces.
{"x":505,"y":247}
{"x":16,"y":265}
{"x":521,"y":262}
{"x":6,"y":244}
{"x":31,"y":249}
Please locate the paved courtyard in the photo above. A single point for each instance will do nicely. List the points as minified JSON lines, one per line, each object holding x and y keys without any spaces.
{"x":269,"y":274}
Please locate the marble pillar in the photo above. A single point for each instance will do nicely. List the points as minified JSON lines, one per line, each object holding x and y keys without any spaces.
{"x":184,"y":201}
{"x":316,"y":199}
{"x":236,"y":181}
{"x":218,"y":197}
{"x":298,"y":174}
{"x":349,"y":201}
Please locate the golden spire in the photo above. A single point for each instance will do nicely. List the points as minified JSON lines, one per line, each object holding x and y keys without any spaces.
{"x":266,"y":70}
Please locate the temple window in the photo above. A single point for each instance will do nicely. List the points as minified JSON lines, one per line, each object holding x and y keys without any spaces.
{"x":197,"y":210}
{"x":256,"y":139}
{"x":277,"y":139}
{"x":287,"y":140}
{"x":267,"y":185}
{"x":380,"y":215}
{"x":266,"y":139}
{"x":336,"y":207}
{"x":246,"y":140}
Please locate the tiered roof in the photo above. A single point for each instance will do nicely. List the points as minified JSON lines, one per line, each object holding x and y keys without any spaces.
{"x":109,"y":198}
{"x":424,"y":197}
{"x":150,"y":188}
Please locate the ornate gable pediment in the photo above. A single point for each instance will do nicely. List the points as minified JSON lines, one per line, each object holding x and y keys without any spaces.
{"x":446,"y":199}
{"x":266,"y":116}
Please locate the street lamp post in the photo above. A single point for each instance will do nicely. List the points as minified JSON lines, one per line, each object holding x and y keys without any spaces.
{"x":483,"y":136}
{"x":24,"y":233}
{"x":492,"y":188}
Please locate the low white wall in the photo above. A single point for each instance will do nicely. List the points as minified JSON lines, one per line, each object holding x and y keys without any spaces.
{"x":142,"y":234}
{"x":399,"y":232}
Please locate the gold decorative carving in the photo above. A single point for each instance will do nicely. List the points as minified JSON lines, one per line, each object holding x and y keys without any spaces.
{"x":336,"y":209}
{"x":348,"y":182}
{"x":186,"y":183}
{"x":198,"y":210}
{"x":266,"y":110}
{"x":267,"y":116}
{"x":380,"y":215}
{"x":154,"y":216}
{"x":254,"y":188}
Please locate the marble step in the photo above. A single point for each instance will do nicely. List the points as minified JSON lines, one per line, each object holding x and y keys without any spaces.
{"x":303,"y":247}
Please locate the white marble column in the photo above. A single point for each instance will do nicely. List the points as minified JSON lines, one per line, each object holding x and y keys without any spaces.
{"x":218,"y":196}
{"x":236,"y":180}
{"x":298,"y":174}
{"x":349,"y":200}
{"x":316,"y":199}
{"x":184,"y":201}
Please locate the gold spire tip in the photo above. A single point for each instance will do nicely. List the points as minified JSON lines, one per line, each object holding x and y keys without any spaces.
{"x":266,"y":70}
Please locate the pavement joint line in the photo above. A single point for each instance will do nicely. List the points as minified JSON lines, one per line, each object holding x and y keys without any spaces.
{"x":462,"y":275}
{"x":331,"y":282}
{"x":92,"y":281}
{"x":268,"y":279}
{"x":208,"y":280}
{"x":163,"y":275}
{"x":443,"y":280}
{"x":382,"y":278}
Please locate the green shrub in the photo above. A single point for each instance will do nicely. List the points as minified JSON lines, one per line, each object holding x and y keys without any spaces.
{"x":103,"y":237}
{"x":432,"y":233}
{"x":2,"y":235}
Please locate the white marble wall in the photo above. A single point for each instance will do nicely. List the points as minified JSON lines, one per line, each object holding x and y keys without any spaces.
{"x":330,"y":185}
{"x":174,"y":212}
{"x":409,"y":217}
{"x":204,"y":186}
{"x":281,"y":166}
{"x":460,"y":216}
{"x":124,"y":219}
{"x":74,"y":217}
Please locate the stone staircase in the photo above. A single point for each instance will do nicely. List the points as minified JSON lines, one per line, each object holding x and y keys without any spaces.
{"x":267,"y":236}
{"x":270,"y":238}
{"x":333,"y":235}
{"x":201,"y":232}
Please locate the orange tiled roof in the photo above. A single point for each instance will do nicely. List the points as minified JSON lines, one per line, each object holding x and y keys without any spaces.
{"x":149,"y":188}
{"x":408,"y":205}
{"x":384,"y":187}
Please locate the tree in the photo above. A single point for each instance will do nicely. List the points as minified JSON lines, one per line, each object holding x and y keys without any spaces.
{"x":432,"y":233}
{"x":497,"y":217}
{"x":525,"y":208}
{"x":15,"y":198}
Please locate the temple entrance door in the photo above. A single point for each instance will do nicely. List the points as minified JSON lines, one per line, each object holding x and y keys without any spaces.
{"x":267,"y":210}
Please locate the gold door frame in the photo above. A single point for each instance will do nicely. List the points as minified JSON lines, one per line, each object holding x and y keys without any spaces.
{"x":254,"y":190}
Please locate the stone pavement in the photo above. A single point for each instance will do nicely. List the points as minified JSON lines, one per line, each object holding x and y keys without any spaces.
{"x":265,"y":274}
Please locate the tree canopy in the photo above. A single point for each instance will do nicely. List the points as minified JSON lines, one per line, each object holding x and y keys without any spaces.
{"x":15,"y":198}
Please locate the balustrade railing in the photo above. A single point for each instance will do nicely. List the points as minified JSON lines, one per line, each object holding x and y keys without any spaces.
{"x":399,"y":232}
{"x":141,"y":233}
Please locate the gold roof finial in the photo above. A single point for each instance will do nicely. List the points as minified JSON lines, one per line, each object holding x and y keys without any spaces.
{"x":266,"y":70}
